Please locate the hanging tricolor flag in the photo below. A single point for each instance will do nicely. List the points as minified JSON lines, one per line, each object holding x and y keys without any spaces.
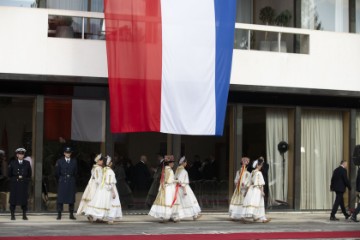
{"x":169,"y":64}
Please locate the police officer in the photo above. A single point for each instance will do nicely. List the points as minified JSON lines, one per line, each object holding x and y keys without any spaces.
{"x":65,"y":172}
{"x":19,"y":172}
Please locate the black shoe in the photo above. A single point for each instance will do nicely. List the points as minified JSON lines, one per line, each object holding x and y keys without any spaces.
{"x":59,"y":216}
{"x":353,"y":219}
{"x":72,"y":217}
{"x":334,"y":219}
{"x":347,"y":216}
{"x":13,"y":218}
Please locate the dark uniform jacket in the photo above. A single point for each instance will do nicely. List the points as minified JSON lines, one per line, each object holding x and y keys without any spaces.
{"x":142,"y":177}
{"x":20,"y":177}
{"x":339,"y":180}
{"x":65,"y":174}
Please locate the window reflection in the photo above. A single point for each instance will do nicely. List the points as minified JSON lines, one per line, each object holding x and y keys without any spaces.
{"x":65,"y":26}
{"x":75,"y":5}
{"x":19,"y":3}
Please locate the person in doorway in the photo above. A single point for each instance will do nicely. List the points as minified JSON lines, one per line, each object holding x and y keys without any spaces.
{"x":156,"y":182}
{"x":19,"y":172}
{"x":357,"y":210}
{"x":162,"y":206}
{"x":93,"y":184}
{"x":65,"y":173}
{"x":142,"y":177}
{"x":253,"y":204}
{"x":122,"y":186}
{"x":339,"y":183}
{"x":242,"y":182}
{"x":185,"y":203}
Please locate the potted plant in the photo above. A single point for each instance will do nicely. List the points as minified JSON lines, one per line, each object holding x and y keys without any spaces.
{"x":266,"y":16}
{"x":64,"y":27}
{"x":281,"y":20}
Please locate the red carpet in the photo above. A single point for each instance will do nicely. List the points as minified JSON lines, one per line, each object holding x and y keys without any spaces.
{"x":233,"y":236}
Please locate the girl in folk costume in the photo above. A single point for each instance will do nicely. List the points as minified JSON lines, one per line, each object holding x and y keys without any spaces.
{"x":242,"y":183}
{"x":105,"y":206}
{"x":253,"y":204}
{"x":162,"y":206}
{"x":94,"y":182}
{"x":185,"y":201}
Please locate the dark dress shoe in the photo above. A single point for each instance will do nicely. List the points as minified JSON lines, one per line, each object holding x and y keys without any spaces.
{"x":347,"y":216}
{"x":334,"y":219}
{"x":72,"y":217}
{"x":13,"y":218}
{"x":353,"y":219}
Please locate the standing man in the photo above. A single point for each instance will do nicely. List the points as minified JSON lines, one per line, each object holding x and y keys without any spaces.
{"x":142,"y":177}
{"x":19,"y":172}
{"x":65,"y":173}
{"x":339,"y":182}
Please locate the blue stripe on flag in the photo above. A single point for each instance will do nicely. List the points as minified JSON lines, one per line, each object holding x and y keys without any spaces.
{"x":225,"y":13}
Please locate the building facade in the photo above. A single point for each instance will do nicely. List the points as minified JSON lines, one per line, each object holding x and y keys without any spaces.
{"x":295,"y":78}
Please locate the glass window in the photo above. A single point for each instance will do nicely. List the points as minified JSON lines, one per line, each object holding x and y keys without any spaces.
{"x":263,"y":130}
{"x":136,"y":166}
{"x":65,"y":26}
{"x":329,"y":15}
{"x":76,"y":123}
{"x":75,"y":5}
{"x":16,"y":130}
{"x":18,"y":3}
{"x":357,"y":16}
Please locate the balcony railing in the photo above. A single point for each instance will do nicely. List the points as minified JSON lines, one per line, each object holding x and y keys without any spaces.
{"x":269,"y":38}
{"x":76,"y":24}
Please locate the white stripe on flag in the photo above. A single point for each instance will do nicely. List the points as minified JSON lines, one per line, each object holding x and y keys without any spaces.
{"x":188,"y":67}
{"x":88,"y":120}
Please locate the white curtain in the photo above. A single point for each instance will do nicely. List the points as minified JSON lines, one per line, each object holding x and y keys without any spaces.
{"x":277,"y":131}
{"x":321,"y":153}
{"x":357,"y":128}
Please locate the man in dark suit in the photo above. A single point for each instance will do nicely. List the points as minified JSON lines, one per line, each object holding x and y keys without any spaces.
{"x":142,"y":177}
{"x":65,"y":173}
{"x":357,"y":210}
{"x":339,"y":182}
{"x":19,"y":172}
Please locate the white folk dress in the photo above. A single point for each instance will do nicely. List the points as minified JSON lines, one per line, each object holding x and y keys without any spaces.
{"x":103,"y":207}
{"x":242,"y":182}
{"x":186,"y":204}
{"x":94,"y":182}
{"x":162,"y":206}
{"x":253,"y":204}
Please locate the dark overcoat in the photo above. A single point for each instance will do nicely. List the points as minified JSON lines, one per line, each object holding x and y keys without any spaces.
{"x":339,"y":180}
{"x":66,"y":174}
{"x":20,"y":177}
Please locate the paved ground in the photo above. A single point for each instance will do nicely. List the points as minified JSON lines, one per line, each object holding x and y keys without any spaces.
{"x":47,"y":225}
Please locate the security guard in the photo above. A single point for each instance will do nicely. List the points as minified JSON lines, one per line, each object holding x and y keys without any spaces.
{"x":66,"y":171}
{"x":19,"y":172}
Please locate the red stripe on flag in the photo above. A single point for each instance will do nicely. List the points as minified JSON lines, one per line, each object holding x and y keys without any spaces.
{"x":134,"y":53}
